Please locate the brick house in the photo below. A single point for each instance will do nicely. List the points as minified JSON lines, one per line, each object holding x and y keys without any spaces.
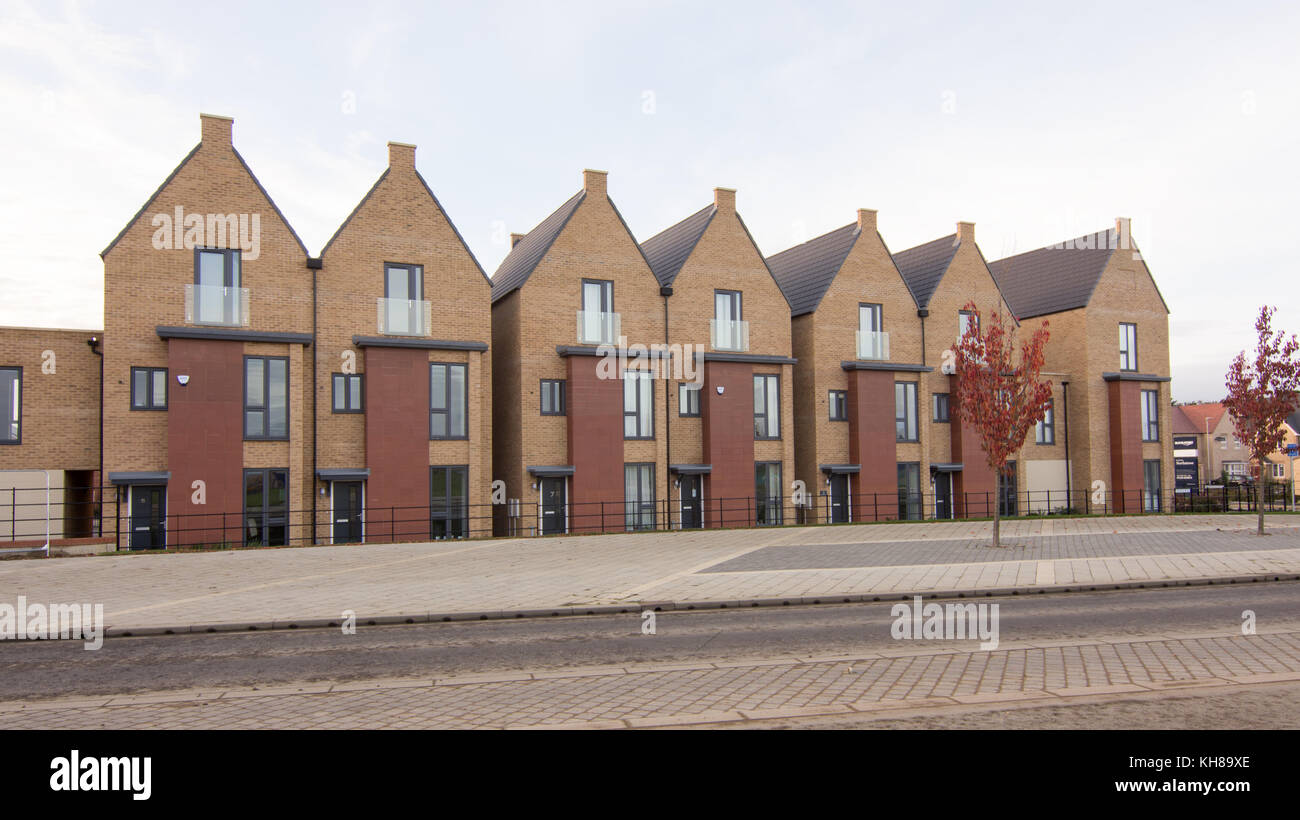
{"x":49,"y":421}
{"x":731,"y":441}
{"x":576,"y":440}
{"x":404,"y":386}
{"x":1110,"y":343}
{"x":857,"y":341}
{"x":206,"y":386}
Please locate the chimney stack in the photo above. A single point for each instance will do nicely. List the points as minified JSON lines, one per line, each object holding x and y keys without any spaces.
{"x":401,"y":155}
{"x":594,"y":182}
{"x":216,"y":130}
{"x":724,"y":199}
{"x":515,"y":237}
{"x":866,"y":220}
{"x":966,"y":232}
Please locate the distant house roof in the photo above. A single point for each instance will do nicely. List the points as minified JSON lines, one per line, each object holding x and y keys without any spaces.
{"x":1182,"y":424}
{"x":1059,"y":277}
{"x":805,"y":272}
{"x":923,"y":266}
{"x":668,"y":250}
{"x":1293,"y":421}
{"x":1199,"y":414}
{"x":528,"y":252}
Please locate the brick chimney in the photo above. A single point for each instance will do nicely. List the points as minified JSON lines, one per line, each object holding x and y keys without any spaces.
{"x":1124,"y":230}
{"x":216,"y":130}
{"x":724,"y":199}
{"x":866,"y":220}
{"x":515,"y":237}
{"x":966,"y":232}
{"x":401,"y":155}
{"x":594,"y":182}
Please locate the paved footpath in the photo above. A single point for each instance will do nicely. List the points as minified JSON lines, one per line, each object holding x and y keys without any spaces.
{"x":892,"y":683}
{"x":574,"y":574}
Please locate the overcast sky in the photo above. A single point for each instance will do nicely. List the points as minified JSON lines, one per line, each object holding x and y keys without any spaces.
{"x":1038,"y":125}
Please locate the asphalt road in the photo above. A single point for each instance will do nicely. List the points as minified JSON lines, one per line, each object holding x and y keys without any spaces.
{"x":125,"y":665}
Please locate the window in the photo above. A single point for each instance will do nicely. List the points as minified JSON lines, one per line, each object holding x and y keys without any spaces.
{"x":11,"y":405}
{"x":909,"y":491}
{"x":941,"y":408}
{"x":148,"y":388}
{"x":403,"y":297}
{"x":767,"y":407}
{"x":1277,"y":470}
{"x":967,"y":319}
{"x":638,"y":404}
{"x":728,"y":330}
{"x":266,"y":508}
{"x":870,"y":318}
{"x":639,"y":496}
{"x":1045,"y":430}
{"x":448,"y":502}
{"x":448,"y":402}
{"x":872,"y":341}
{"x":216,"y":287}
{"x":1151,"y":486}
{"x":768,"y":506}
{"x":347,"y":393}
{"x":552,"y":397}
{"x":839,"y":402}
{"x":905,"y":411}
{"x":597,"y":322}
{"x":1128,"y":346}
{"x":688,"y":400}
{"x":1235,"y":469}
{"x":266,"y":397}
{"x":1150,"y":415}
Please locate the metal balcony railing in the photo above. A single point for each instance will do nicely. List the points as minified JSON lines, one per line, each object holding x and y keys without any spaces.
{"x":729,"y":334}
{"x":873,"y":345}
{"x":404,"y":317}
{"x":599,"y":327}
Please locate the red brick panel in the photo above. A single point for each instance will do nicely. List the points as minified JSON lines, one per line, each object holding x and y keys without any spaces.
{"x":397,"y":444}
{"x":975,"y":486}
{"x":205,"y":441}
{"x":595,"y":433}
{"x":729,"y":443}
{"x":873,"y":444}
{"x":1126,"y":446}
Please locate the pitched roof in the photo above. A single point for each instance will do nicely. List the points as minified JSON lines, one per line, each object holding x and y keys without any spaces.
{"x":668,"y":250}
{"x":528,"y":252}
{"x":923,"y":266}
{"x":1199,"y":414}
{"x":1056,"y":278}
{"x":805,"y":272}
{"x":1181,"y":422}
{"x":1294,"y":421}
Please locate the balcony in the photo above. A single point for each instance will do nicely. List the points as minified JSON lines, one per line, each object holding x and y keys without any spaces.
{"x":404,"y":317}
{"x":873,"y":345}
{"x":598,"y":327}
{"x":729,"y":334}
{"x":216,"y":305}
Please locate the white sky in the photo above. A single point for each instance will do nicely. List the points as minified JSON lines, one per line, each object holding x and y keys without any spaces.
{"x":1036,"y":124}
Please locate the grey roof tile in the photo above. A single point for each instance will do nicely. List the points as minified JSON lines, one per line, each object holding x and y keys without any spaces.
{"x":668,"y":250}
{"x":806,"y":271}
{"x":923,"y":266}
{"x":528,"y":252}
{"x":1056,"y":278}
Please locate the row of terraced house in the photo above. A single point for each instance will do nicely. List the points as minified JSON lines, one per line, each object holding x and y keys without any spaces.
{"x":244,"y":391}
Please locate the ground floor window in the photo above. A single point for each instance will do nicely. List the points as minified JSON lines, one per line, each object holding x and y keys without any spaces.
{"x":639,"y":496}
{"x":266,"y":508}
{"x":767,"y":492}
{"x":1151,"y":486}
{"x":449,"y":502}
{"x":909,"y":491}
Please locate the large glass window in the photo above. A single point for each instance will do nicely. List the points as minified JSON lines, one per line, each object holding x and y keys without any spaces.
{"x":266,"y":508}
{"x":768,"y":508}
{"x":403,"y":294}
{"x":872,"y":342}
{"x":727,"y":318}
{"x":11,"y":405}
{"x":1151,"y":486}
{"x":767,"y":407}
{"x":909,"y":491}
{"x":639,"y":495}
{"x":1045,"y":430}
{"x":448,"y":402}
{"x":216,"y":291}
{"x":449,"y":502}
{"x":1128,"y":346}
{"x":638,"y":404}
{"x":1150,"y":415}
{"x":597,"y":311}
{"x":905,"y":411}
{"x":266,"y":397}
{"x":967,"y":320}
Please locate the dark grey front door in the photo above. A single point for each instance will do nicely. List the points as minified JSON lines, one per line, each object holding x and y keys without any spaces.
{"x":148,"y":512}
{"x":692,"y":503}
{"x":943,"y":495}
{"x":839,"y":498}
{"x":347,"y":512}
{"x":553,"y":507}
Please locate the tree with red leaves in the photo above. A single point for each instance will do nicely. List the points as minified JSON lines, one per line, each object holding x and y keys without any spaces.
{"x":1262,"y":394}
{"x":998,"y":391}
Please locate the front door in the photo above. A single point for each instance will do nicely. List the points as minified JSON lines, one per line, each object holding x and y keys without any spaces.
{"x":943,"y":495}
{"x":692,"y":503}
{"x":839,"y":498}
{"x":148,"y":512}
{"x":553,"y":506}
{"x":348,"y":505}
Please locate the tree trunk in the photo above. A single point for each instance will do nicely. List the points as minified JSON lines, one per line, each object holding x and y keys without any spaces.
{"x":997,"y":512}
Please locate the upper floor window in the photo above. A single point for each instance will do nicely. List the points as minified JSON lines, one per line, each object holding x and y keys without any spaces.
{"x":148,"y":388}
{"x":767,"y":406}
{"x":839,"y":402}
{"x":638,"y":404}
{"x":448,"y":401}
{"x":217,"y":296}
{"x":688,"y":400}
{"x":941,"y":408}
{"x":1150,"y":415}
{"x":347,"y":393}
{"x":1045,"y":430}
{"x":905,"y":411}
{"x":266,"y":397}
{"x":402,"y":311}
{"x":1128,"y":346}
{"x":597,"y":322}
{"x":11,"y":405}
{"x":873,"y":342}
{"x":552,"y":397}
{"x":967,"y":319}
